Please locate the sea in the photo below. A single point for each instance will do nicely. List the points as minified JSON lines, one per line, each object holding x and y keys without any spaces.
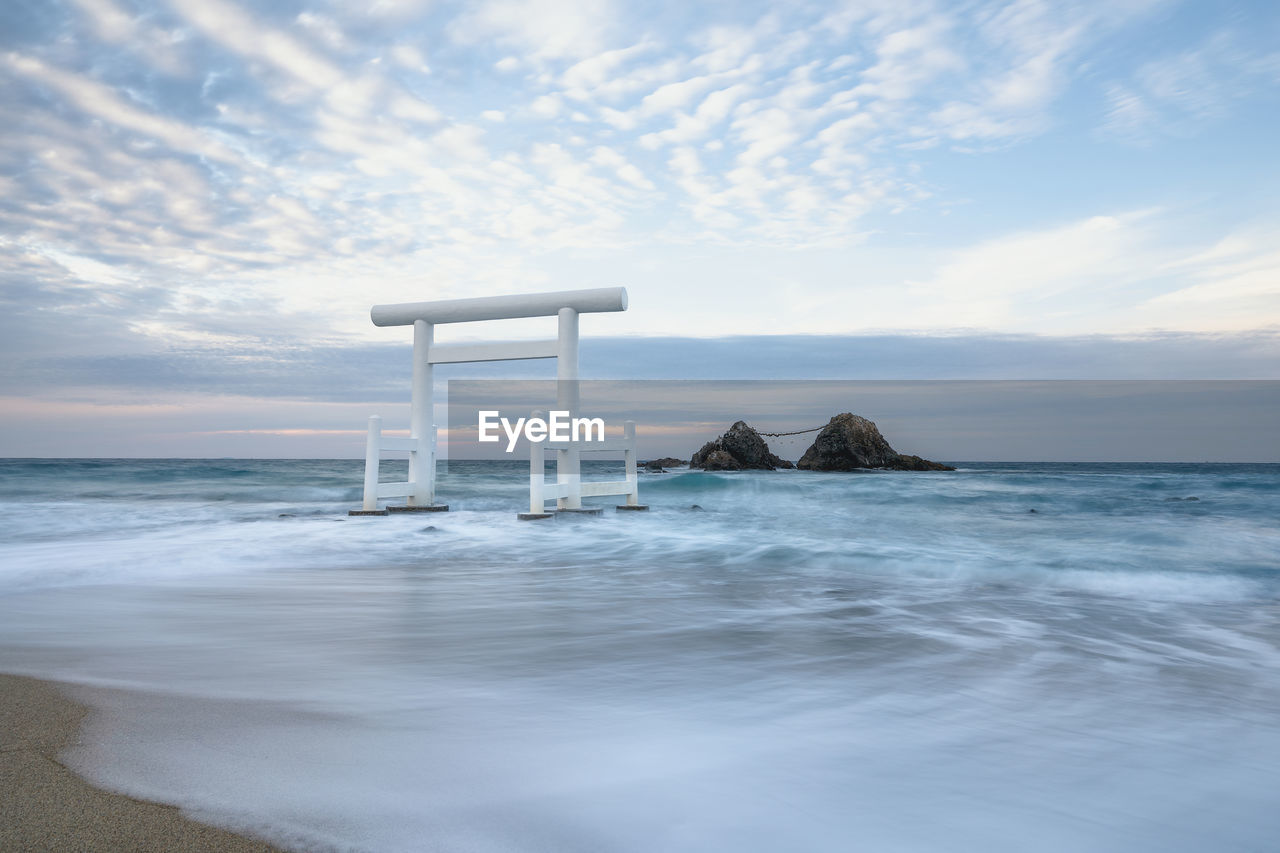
{"x":1008,"y":657}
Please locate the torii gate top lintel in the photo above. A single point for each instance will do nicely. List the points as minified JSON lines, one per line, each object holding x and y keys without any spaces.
{"x":596,"y":300}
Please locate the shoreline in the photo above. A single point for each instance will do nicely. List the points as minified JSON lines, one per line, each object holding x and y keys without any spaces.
{"x":45,"y":806}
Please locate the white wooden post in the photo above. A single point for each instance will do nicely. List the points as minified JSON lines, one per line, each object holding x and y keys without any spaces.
{"x":537,"y":480}
{"x":630,"y":486}
{"x":633,"y":479}
{"x":537,"y":475}
{"x":568,"y":461}
{"x":431,"y":468}
{"x":422,"y":459}
{"x":372,"y":456}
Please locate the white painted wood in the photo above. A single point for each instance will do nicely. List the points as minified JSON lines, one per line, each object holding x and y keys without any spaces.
{"x":591,"y":301}
{"x":616,"y":487}
{"x":497,"y":351}
{"x":568,"y":462}
{"x":372,"y":458}
{"x":537,"y":475}
{"x":554,"y":490}
{"x":422,"y":466}
{"x":431,"y":469}
{"x":633,"y":481}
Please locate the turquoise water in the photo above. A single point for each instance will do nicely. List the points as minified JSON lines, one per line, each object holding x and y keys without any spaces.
{"x":879,"y":661}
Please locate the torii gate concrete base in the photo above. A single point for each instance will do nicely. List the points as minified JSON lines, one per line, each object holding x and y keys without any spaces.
{"x":391,"y":509}
{"x":537,"y":516}
{"x":590,"y":510}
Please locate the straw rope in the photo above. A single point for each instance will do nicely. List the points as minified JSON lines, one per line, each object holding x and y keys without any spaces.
{"x":797,"y":432}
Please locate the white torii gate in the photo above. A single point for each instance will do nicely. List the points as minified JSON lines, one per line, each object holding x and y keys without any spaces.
{"x":419,"y":490}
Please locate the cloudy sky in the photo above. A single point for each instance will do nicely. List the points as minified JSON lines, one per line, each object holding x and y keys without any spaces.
{"x":202,"y":198}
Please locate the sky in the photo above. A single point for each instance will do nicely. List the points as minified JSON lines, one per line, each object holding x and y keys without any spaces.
{"x":201,"y":199}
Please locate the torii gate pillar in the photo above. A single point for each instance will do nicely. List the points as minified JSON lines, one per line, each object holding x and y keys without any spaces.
{"x":568,"y":462}
{"x":422,"y":466}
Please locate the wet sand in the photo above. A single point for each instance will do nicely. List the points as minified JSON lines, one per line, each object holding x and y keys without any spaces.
{"x":46,"y":807}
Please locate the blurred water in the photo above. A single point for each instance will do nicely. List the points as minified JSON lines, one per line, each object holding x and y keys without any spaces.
{"x":810,"y":662}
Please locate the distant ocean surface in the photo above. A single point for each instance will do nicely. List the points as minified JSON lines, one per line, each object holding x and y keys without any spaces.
{"x":1011,"y":657}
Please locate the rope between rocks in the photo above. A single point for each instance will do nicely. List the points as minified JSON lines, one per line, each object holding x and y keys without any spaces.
{"x":797,"y":432}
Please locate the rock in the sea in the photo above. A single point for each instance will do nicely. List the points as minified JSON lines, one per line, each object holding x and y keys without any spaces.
{"x":849,"y":442}
{"x":910,"y":462}
{"x":739,"y":449}
{"x":666,"y":462}
{"x":720,"y":460}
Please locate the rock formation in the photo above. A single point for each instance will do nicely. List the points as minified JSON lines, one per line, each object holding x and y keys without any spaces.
{"x":849,"y":442}
{"x":739,"y":449}
{"x":656,"y":466}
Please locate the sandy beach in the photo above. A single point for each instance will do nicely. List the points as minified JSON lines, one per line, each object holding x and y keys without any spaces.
{"x":44,"y":806}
